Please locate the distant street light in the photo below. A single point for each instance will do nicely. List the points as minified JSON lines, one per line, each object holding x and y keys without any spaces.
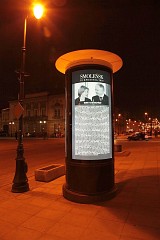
{"x":146,"y":120}
{"x":146,"y":114}
{"x":20,"y":181}
{"x":150,"y":121}
{"x":119,"y":123}
{"x":11,"y":123}
{"x":42,"y":123}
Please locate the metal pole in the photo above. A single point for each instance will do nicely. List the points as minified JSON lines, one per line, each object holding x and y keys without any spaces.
{"x":11,"y":128}
{"x":20,"y":181}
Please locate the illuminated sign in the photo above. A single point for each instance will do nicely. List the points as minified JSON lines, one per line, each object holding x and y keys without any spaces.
{"x":91,"y":115}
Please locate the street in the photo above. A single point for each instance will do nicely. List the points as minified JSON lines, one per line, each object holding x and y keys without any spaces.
{"x":37,"y":152}
{"x":143,"y":145}
{"x":44,"y":213}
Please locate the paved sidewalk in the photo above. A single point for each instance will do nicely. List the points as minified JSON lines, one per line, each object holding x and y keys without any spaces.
{"x":134,"y":214}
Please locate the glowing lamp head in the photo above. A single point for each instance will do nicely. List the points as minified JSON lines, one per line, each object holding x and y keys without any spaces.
{"x":38,"y":10}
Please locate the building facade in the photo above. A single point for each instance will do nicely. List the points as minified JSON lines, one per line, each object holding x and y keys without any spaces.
{"x":43,"y":114}
{"x":4,"y":122}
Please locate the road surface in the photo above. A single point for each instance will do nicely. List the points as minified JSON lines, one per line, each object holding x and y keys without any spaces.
{"x":37,"y":152}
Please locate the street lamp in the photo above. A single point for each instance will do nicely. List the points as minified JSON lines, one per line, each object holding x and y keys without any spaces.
{"x":20,"y":181}
{"x":119,"y":124}
{"x":146,"y":120}
{"x":150,"y":120}
{"x":11,"y":123}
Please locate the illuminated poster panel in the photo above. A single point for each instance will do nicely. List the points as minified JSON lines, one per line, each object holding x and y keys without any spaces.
{"x":91,"y":115}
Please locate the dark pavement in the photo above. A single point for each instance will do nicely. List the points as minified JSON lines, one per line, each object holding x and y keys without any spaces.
{"x":134,"y":214}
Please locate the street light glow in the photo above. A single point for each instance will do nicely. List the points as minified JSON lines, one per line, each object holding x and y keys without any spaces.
{"x":38,"y":10}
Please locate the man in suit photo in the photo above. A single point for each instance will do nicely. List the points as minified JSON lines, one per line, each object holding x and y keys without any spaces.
{"x":100,"y":95}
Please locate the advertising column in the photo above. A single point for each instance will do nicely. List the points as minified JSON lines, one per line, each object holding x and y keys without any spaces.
{"x":89,"y":128}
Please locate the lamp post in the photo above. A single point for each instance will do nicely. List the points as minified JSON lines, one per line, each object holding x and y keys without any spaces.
{"x":146,"y":120}
{"x":42,"y":125}
{"x":20,"y":181}
{"x":11,"y":123}
{"x":119,"y":123}
{"x":150,"y":120}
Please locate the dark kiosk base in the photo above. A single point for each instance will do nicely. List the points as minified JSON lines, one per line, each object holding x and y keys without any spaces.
{"x":83,"y":198}
{"x":89,"y":182}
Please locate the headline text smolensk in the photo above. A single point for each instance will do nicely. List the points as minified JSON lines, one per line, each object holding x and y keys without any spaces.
{"x":91,"y":77}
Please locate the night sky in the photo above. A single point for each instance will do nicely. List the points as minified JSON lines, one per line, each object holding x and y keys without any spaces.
{"x":130,"y":29}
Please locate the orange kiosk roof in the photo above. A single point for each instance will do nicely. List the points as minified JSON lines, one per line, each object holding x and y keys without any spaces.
{"x":89,"y":56}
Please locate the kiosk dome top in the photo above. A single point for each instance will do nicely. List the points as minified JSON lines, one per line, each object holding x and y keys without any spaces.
{"x":89,"y":56}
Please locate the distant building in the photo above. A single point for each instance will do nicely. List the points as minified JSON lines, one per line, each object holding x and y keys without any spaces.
{"x":43,"y":114}
{"x":4,"y":125}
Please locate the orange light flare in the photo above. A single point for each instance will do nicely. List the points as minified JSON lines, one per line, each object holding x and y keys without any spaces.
{"x":38,"y":10}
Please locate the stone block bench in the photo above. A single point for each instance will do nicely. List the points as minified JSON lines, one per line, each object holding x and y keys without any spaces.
{"x":49,"y":173}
